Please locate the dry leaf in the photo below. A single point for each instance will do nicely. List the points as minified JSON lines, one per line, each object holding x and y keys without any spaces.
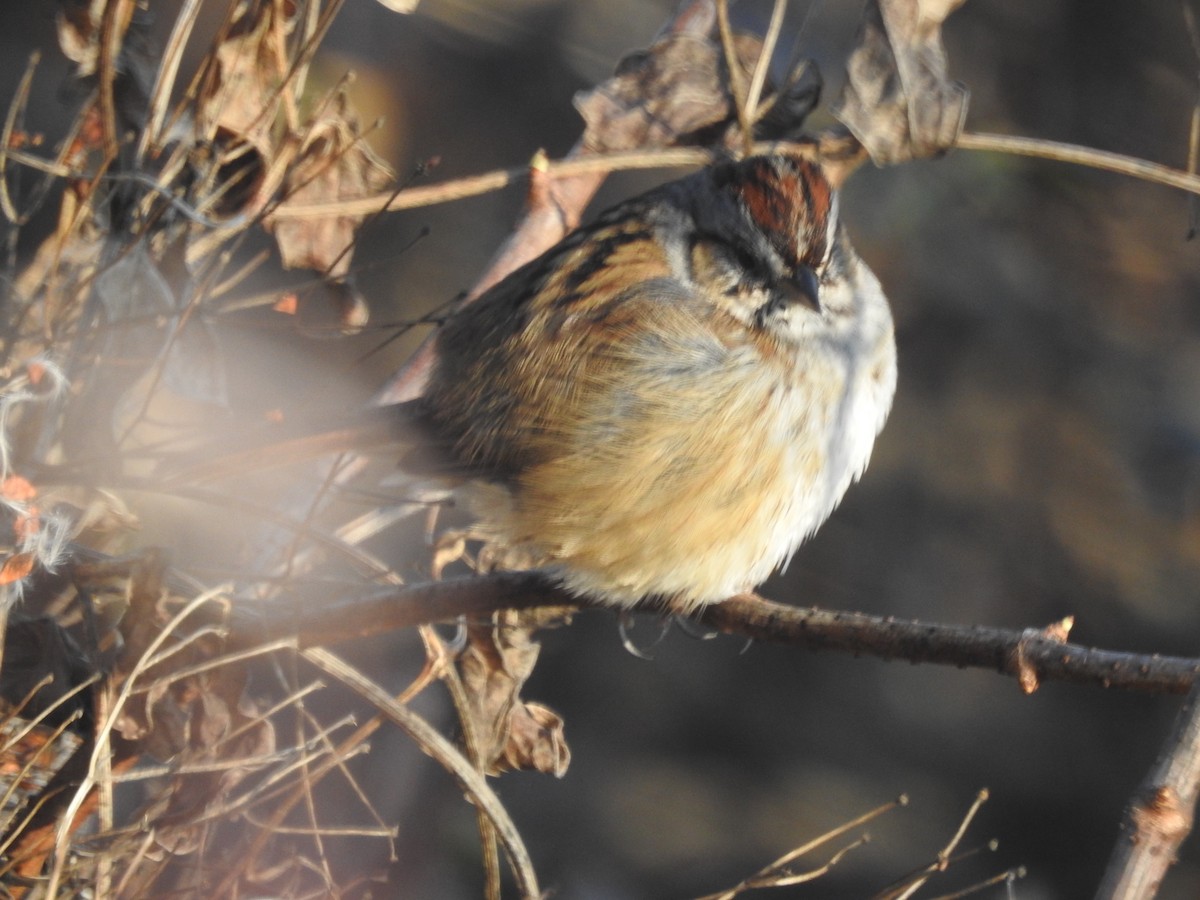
{"x":334,"y":163}
{"x":674,"y":92}
{"x":536,"y":741}
{"x":511,"y":734}
{"x":899,"y":100}
{"x":241,"y":95}
{"x":236,"y":110}
{"x":186,"y":720}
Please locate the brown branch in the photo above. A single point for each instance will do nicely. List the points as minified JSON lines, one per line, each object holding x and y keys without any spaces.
{"x":1022,"y":654}
{"x":113,"y":24}
{"x":432,"y":742}
{"x":1032,"y":655}
{"x":331,"y":620}
{"x":1160,"y":815}
{"x":737,"y":85}
{"x":1087,"y":157}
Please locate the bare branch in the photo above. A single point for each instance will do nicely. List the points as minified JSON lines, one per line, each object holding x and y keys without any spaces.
{"x":1160,"y":815}
{"x":1032,"y":653}
{"x":444,"y":752}
{"x":1082,"y":156}
{"x":1004,"y":650}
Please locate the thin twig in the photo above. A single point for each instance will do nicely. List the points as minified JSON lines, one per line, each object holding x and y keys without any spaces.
{"x":769,"y":878}
{"x":486,"y":182}
{"x":1082,"y":156}
{"x":104,"y":792}
{"x":439,"y":662}
{"x":113,"y":22}
{"x":46,"y":748}
{"x":1006,"y":878}
{"x":348,"y":747}
{"x":168,"y":70}
{"x":433,"y":743}
{"x":944,"y":855}
{"x":16,"y":109}
{"x":777,"y":874}
{"x":684,"y":157}
{"x":332,"y":830}
{"x":17,"y":708}
{"x":276,"y":783}
{"x":206,"y":665}
{"x":837,"y":832}
{"x":1193,"y":157}
{"x":47,"y":166}
{"x":66,"y":822}
{"x":737,"y":84}
{"x":58,"y":702}
{"x":250,"y":763}
{"x":759,"y":77}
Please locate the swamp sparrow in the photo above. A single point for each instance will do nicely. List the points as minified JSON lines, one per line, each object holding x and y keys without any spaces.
{"x":669,"y":401}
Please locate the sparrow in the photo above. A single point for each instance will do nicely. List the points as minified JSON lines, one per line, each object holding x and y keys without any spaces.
{"x":666,"y":404}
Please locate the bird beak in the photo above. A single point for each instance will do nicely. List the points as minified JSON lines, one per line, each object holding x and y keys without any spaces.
{"x":802,"y":288}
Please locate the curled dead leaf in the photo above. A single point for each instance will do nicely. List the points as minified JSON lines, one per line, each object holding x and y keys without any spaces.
{"x":673,"y":92}
{"x":535,"y":741}
{"x":898,"y":99}
{"x":335,"y":163}
{"x":509,"y":732}
{"x":240,"y":94}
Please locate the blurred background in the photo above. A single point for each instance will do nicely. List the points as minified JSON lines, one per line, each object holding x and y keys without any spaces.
{"x":1041,"y":460}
